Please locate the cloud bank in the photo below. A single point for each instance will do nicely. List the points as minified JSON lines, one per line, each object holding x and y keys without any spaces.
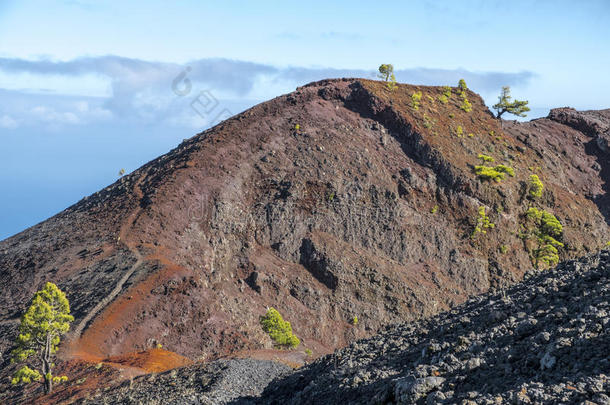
{"x":150,"y":91}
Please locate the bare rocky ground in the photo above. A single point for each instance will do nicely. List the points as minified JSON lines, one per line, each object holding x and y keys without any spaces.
{"x":219,"y":382}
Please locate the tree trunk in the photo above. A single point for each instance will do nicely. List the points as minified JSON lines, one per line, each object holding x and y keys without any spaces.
{"x":48,"y":385}
{"x":46,"y":367}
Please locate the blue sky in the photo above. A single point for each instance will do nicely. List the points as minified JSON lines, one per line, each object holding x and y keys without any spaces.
{"x":90,"y":87}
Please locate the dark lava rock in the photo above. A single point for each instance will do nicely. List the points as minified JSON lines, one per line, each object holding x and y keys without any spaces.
{"x":219,"y":382}
{"x":551,"y":345}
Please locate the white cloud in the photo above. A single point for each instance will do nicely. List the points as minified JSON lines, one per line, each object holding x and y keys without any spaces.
{"x":8,"y":122}
{"x":159,"y":92}
{"x":49,"y":115}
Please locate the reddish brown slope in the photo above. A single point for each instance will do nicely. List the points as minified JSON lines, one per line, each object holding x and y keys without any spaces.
{"x":327,"y":222}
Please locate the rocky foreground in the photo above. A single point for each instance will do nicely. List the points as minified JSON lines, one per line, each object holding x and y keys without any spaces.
{"x":545,"y":340}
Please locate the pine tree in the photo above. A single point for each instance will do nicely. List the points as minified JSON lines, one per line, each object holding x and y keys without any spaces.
{"x":505,"y":104}
{"x":42,"y":325}
{"x":386,"y":73}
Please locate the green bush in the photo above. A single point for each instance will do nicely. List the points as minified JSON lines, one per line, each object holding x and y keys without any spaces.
{"x":496,"y":173}
{"x":466,"y":106}
{"x":485,"y":158}
{"x":443,"y":99}
{"x":447,"y":91}
{"x":278,"y":329}
{"x":416,"y":99}
{"x":535,"y":187}
{"x":428,"y":122}
{"x":546,"y":228}
{"x":505,"y":169}
{"x":459,"y":131}
{"x":482,"y":223}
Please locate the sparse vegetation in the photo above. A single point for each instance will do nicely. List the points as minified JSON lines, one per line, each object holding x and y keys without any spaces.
{"x":43,"y":324}
{"x":308,"y":352}
{"x":546,"y":228}
{"x":434,"y":209}
{"x":459,"y":131}
{"x":466,"y":106}
{"x":278,"y":329}
{"x":121,"y":172}
{"x":496,"y":173}
{"x":485,"y":158}
{"x":428,"y":122}
{"x":535,"y":187}
{"x":506,"y":104}
{"x":355,"y":320}
{"x":451,"y":115}
{"x":503,"y":249}
{"x":482,"y":223}
{"x":447,"y":92}
{"x":416,"y":99}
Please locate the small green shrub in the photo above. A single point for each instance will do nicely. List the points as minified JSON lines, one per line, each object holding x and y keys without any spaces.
{"x":278,"y":329}
{"x":496,"y":173}
{"x":308,"y":352}
{"x":459,"y":131}
{"x":471,"y":135}
{"x":443,"y":99}
{"x":416,"y":99}
{"x":505,"y":169}
{"x":297,"y":127}
{"x":546,"y":228}
{"x":482,"y":223}
{"x":447,"y":91}
{"x":451,"y":115}
{"x":466,"y":106}
{"x":535,"y":187}
{"x":428,"y":122}
{"x":355,"y":320}
{"x":434,"y":209}
{"x":485,"y":158}
{"x":503,"y":249}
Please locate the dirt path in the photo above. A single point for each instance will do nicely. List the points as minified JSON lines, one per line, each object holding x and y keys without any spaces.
{"x":131,"y":245}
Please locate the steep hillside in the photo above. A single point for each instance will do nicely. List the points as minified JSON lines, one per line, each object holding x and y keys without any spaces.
{"x":341,"y":199}
{"x":545,"y":340}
